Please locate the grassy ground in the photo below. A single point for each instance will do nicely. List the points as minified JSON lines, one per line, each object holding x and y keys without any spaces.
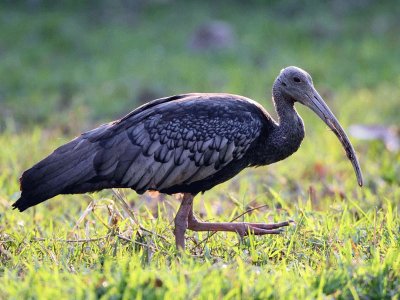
{"x":66,"y":68}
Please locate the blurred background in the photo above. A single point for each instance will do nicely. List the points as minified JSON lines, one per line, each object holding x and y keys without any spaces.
{"x":67,"y":66}
{"x":74,"y":63}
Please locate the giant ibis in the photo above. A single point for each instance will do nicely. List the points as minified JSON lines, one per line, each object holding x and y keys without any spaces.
{"x":184,"y":144}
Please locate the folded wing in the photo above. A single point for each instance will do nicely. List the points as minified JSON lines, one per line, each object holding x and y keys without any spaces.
{"x":169,"y":142}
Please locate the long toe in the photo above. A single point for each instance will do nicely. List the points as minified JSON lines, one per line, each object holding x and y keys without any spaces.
{"x":271,"y":226}
{"x":261,"y":231}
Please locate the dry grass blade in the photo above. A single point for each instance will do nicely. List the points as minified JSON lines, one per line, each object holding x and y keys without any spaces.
{"x":5,"y":252}
{"x":71,"y":240}
{"x":141,"y":244}
{"x":133,"y":219}
{"x":88,"y":209}
{"x":248,"y":211}
{"x":118,"y":196}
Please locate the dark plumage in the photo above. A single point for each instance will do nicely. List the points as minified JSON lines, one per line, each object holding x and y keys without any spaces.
{"x":182,"y":144}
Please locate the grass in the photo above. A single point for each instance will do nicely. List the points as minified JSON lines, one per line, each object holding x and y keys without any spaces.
{"x":68,"y":67}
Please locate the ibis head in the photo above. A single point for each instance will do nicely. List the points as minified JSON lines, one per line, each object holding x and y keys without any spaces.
{"x":297,"y":85}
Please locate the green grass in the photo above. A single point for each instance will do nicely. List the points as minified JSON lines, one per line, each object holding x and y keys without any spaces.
{"x":68,"y":67}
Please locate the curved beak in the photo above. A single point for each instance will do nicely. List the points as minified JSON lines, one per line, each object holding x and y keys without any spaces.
{"x":315,"y":102}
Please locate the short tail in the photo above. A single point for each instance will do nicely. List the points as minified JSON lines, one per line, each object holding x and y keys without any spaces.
{"x":56,"y":174}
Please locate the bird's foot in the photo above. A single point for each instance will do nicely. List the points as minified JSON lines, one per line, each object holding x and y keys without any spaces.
{"x":242,"y":229}
{"x":186,"y":220}
{"x":262,"y":228}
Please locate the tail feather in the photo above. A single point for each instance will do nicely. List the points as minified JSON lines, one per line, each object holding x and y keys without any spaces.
{"x":66,"y":155}
{"x":68,"y":165}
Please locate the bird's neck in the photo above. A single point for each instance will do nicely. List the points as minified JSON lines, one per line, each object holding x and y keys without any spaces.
{"x":287,"y":114}
{"x":289,"y":133}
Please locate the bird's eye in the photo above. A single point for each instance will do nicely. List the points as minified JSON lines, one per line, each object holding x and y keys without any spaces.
{"x":296,"y":79}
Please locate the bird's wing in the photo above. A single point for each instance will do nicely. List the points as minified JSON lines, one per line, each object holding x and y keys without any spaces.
{"x":167,"y":142}
{"x":174,"y":143}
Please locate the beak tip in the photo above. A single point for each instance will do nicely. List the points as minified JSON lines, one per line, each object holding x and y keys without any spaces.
{"x":360,"y":181}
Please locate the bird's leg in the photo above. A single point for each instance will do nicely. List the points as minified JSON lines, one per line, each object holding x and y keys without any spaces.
{"x":185,"y":219}
{"x":241,"y":228}
{"x":181,"y":220}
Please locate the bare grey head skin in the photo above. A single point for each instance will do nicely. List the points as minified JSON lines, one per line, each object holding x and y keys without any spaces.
{"x":297,"y":85}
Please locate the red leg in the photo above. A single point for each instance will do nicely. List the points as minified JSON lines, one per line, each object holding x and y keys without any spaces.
{"x":185,"y":219}
{"x":181,"y":220}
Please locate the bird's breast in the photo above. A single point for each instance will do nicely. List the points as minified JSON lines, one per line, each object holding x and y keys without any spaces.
{"x":279,"y":144}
